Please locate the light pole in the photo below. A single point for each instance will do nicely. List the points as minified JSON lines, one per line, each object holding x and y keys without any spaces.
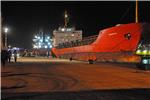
{"x":6,"y":30}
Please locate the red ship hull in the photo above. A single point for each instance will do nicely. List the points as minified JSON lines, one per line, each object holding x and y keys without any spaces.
{"x":115,"y":43}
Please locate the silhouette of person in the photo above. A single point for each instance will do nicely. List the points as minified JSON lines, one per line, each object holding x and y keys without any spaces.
{"x":15,"y":56}
{"x":4,"y":57}
{"x":9,"y":56}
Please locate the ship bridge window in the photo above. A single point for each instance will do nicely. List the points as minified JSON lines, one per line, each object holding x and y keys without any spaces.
{"x":127,"y":36}
{"x":72,"y":35}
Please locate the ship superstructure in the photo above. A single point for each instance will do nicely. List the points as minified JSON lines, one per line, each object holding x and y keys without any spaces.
{"x":66,"y":34}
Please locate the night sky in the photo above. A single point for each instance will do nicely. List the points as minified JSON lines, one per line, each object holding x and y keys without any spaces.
{"x":25,"y":19}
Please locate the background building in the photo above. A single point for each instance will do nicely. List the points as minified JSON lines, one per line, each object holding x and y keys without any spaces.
{"x":42,"y":41}
{"x":42,"y":44}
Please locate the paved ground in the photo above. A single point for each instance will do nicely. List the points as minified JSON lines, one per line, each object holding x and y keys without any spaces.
{"x":55,"y":79}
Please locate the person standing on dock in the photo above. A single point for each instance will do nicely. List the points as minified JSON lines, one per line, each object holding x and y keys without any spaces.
{"x":4,"y":57}
{"x":9,"y":56}
{"x":15,"y":56}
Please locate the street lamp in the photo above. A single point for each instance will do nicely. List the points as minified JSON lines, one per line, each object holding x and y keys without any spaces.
{"x":6,"y":31}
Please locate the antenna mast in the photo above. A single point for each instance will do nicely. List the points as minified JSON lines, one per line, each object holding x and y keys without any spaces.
{"x":66,"y":18}
{"x":136,"y":12}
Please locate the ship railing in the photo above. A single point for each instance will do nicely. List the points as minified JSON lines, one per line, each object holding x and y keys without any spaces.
{"x":90,"y":37}
{"x":85,"y":41}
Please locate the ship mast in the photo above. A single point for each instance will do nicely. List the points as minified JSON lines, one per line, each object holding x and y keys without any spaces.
{"x":136,"y":12}
{"x":66,"y":18}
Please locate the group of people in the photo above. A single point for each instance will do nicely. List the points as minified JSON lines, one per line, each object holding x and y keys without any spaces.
{"x":6,"y":56}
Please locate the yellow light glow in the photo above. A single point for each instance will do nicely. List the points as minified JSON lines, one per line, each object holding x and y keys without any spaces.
{"x":144,"y":52}
{"x":138,"y":52}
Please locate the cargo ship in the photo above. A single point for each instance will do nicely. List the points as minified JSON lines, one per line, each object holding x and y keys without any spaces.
{"x":115,"y":44}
